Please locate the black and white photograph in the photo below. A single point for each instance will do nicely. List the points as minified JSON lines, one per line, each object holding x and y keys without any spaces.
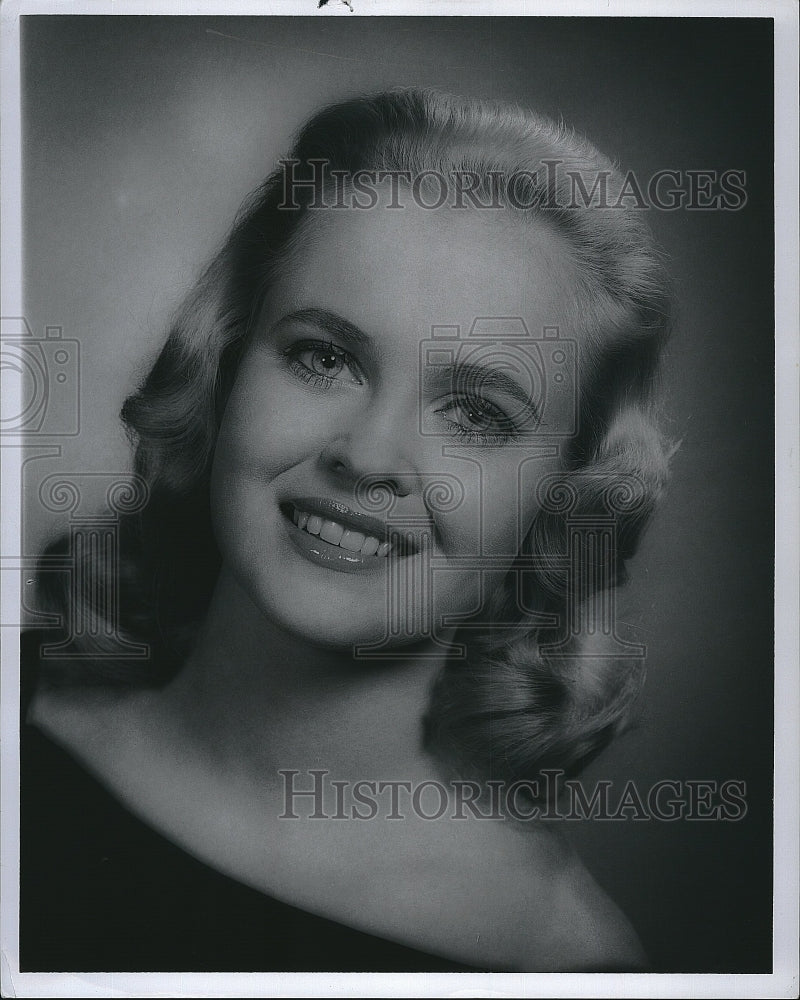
{"x":400,"y":499}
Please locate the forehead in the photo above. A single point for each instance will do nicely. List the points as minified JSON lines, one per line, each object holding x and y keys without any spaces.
{"x":396,"y":273}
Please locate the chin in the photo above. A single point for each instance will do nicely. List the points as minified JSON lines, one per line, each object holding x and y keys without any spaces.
{"x":343,"y":621}
{"x":320,"y":616}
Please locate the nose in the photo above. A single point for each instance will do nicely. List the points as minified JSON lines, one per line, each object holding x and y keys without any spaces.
{"x":377,"y":445}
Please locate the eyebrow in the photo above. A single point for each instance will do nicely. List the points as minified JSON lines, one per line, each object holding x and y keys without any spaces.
{"x":468,"y":376}
{"x":464,"y":375}
{"x":329,"y":322}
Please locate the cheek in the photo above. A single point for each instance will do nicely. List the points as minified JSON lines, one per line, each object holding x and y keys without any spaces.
{"x":499,"y":502}
{"x":252,"y":445}
{"x":265,"y":428}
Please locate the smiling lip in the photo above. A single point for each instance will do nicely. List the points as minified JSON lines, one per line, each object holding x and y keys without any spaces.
{"x":333,"y":510}
{"x":317,"y":548}
{"x":323,"y":553}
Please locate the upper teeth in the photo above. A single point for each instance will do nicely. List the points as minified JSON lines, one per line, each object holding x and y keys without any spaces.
{"x":338,"y":534}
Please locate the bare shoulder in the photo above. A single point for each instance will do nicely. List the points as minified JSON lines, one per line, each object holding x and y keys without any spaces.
{"x":587,"y":930}
{"x":548,"y":913}
{"x":487,"y":894}
{"x":596,"y":933}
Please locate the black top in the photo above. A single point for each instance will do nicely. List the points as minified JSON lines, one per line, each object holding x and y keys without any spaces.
{"x":100,"y":891}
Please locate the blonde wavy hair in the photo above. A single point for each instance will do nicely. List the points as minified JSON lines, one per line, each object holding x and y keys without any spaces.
{"x":510,"y":707}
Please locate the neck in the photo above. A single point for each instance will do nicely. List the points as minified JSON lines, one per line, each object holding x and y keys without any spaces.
{"x":258,"y":698}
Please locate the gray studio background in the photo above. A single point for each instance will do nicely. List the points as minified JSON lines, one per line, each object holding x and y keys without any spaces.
{"x":140,"y":139}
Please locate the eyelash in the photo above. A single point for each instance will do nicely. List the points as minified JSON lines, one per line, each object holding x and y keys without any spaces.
{"x":472,"y":435}
{"x":469,"y":435}
{"x":299,"y":368}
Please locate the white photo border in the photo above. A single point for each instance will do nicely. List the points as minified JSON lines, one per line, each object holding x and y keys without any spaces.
{"x":783,"y":981}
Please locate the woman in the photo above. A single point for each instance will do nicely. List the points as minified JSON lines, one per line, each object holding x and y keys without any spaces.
{"x":423,"y":352}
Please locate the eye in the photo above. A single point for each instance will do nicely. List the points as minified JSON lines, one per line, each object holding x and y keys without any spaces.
{"x":477,"y":420}
{"x":323,"y":364}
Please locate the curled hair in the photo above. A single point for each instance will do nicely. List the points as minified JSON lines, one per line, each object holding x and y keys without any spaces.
{"x":510,"y":702}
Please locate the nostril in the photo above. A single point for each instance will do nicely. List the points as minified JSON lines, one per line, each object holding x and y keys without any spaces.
{"x":394,"y":484}
{"x":402,"y":485}
{"x":374,"y":450}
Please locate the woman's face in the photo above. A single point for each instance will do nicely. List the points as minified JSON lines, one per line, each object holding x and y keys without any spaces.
{"x":368,"y":365}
